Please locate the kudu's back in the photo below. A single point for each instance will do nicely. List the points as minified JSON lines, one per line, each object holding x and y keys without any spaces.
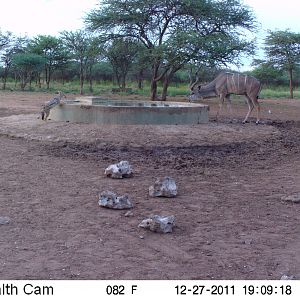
{"x":239,"y":84}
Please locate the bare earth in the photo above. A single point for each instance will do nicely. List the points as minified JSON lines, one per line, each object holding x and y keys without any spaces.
{"x":231,"y":221}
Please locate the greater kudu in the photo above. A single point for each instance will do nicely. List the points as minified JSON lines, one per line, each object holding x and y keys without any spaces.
{"x":226,"y":84}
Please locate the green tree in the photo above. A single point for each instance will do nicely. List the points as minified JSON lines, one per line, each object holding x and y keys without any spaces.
{"x":121,"y":54}
{"x":94,"y":53}
{"x":141,"y":64}
{"x":26,"y":65}
{"x":202,"y":51}
{"x":103,"y":71}
{"x":77,"y":42}
{"x":14,"y":46}
{"x":51,"y":48}
{"x":84,"y":49}
{"x":168,"y":29}
{"x":266,"y":72}
{"x":283,"y":51}
{"x":5,"y":39}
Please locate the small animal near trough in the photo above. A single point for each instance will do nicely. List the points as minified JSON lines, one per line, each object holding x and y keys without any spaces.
{"x":102,"y":111}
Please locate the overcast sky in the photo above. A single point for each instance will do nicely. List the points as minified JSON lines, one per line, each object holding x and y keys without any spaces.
{"x":275,"y":14}
{"x":45,"y":17}
{"x":49,"y":17}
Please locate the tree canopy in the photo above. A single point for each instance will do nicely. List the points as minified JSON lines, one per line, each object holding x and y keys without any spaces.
{"x":51,"y":48}
{"x":177,"y":32}
{"x":26,"y":64}
{"x":121,"y":54}
{"x":283,"y":52}
{"x":83,"y":48}
{"x":4,"y":39}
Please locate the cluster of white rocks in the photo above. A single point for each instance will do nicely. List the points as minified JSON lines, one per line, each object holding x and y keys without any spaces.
{"x":165,"y":187}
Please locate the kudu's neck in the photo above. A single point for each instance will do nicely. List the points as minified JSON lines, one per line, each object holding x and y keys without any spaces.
{"x":208,"y":90}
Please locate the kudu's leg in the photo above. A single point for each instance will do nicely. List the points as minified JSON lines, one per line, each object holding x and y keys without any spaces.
{"x":221,"y":102}
{"x":229,"y":106}
{"x":251,"y":106}
{"x":256,"y":104}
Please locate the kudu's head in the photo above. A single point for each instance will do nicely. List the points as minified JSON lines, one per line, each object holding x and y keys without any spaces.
{"x":194,"y":91}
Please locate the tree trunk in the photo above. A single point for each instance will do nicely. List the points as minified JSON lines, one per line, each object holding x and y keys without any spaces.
{"x":154,"y":82}
{"x":81,"y":78}
{"x":91,"y":85}
{"x":291,"y":83}
{"x":91,"y":82}
{"x":48,"y":82}
{"x":4,"y":84}
{"x":90,"y":77}
{"x":48,"y":76}
{"x":16,"y":79}
{"x":117,"y":77}
{"x":153,"y":90}
{"x":22,"y":82}
{"x":39,"y":81}
{"x":63,"y":77}
{"x":166,"y":83}
{"x":167,"y":79}
{"x":123,"y":82}
{"x":140,"y":80}
{"x":46,"y":73}
{"x":30,"y":81}
{"x":4,"y":80}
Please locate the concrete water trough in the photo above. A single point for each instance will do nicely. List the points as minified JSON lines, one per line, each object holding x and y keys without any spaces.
{"x":103,"y":111}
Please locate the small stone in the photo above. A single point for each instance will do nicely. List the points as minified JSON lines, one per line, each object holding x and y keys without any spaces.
{"x":163,"y":188}
{"x":4,"y":220}
{"x":295,"y":198}
{"x":162,"y":224}
{"x":248,"y":241}
{"x":129,"y":214}
{"x":287,"y":277}
{"x":109,"y":199}
{"x":120,"y":170}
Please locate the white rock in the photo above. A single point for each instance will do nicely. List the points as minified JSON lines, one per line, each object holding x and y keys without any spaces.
{"x":295,"y":198}
{"x":287,"y":277}
{"x":119,"y":170}
{"x":162,"y":224}
{"x":4,"y":220}
{"x":111,"y":200}
{"x":163,"y":188}
{"x":129,"y":214}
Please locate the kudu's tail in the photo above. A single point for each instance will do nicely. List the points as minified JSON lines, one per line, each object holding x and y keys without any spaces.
{"x":258,"y":94}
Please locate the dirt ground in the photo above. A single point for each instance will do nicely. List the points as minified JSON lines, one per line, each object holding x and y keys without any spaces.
{"x":231,"y":221}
